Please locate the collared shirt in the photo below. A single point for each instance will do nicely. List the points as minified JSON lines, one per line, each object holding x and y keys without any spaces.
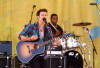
{"x":33,"y":29}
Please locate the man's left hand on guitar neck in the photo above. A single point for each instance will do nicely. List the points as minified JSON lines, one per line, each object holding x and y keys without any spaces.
{"x":57,"y":42}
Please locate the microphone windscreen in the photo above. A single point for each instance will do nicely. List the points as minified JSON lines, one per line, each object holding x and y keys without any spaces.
{"x":44,"y":19}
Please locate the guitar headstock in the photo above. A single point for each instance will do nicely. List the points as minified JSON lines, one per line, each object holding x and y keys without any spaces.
{"x":66,"y":35}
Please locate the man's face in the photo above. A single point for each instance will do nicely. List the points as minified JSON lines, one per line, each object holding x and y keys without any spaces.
{"x":54,"y":20}
{"x":42,"y":15}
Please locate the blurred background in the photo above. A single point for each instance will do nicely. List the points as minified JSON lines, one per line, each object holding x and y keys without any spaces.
{"x":14,"y":14}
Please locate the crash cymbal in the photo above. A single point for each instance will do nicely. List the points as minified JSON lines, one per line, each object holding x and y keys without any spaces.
{"x":82,"y":24}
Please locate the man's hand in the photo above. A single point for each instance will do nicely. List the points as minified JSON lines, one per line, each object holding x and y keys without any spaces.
{"x":34,"y":37}
{"x":57,"y":42}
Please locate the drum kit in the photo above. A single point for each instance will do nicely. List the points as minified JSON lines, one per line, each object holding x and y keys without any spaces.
{"x":71,"y":45}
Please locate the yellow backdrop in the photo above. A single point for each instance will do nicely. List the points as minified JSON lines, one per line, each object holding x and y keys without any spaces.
{"x":14,"y":14}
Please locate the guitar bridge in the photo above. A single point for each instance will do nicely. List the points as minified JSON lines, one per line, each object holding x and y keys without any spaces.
{"x":28,"y":49}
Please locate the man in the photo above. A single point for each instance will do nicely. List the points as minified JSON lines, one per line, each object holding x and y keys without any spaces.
{"x":35,"y":31}
{"x":56,"y":29}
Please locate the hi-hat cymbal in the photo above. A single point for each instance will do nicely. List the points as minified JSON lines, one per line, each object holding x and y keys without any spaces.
{"x":77,"y":36}
{"x":82,"y":24}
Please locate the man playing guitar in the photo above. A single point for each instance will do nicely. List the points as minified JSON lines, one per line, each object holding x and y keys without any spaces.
{"x":32,"y":32}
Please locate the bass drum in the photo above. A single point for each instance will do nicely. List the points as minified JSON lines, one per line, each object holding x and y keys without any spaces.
{"x":73,"y":59}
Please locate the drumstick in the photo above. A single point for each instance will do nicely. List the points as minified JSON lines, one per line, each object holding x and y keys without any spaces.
{"x":63,"y":27}
{"x":53,"y":26}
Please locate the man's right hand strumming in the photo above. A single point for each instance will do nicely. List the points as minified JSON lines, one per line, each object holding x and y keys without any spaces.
{"x":34,"y":37}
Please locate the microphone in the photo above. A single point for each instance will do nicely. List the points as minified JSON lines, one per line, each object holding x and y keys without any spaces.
{"x":94,"y":3}
{"x":44,"y":19}
{"x":34,"y":6}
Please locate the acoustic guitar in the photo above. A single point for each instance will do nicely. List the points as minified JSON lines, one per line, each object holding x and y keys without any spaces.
{"x":28,"y":50}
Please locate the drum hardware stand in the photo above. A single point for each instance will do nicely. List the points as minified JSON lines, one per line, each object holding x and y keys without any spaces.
{"x":86,"y":29}
{"x":89,"y":51}
{"x":94,"y":50}
{"x":83,"y":54}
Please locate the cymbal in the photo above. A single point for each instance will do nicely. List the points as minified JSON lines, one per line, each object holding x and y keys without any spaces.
{"x":76,"y":35}
{"x":82,"y":24}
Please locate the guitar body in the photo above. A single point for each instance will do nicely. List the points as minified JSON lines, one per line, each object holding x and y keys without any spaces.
{"x":27,"y":50}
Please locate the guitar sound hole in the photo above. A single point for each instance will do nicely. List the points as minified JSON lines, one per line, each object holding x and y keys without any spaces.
{"x":36,"y":46}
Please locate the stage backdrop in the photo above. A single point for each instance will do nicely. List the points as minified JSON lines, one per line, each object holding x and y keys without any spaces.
{"x":14,"y":14}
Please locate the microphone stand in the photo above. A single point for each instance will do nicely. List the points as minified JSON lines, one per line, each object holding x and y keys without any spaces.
{"x":32,"y":14}
{"x":51,"y":37}
{"x":98,"y":7}
{"x":95,"y":4}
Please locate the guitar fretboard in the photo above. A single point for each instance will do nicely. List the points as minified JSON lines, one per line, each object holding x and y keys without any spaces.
{"x":52,"y":40}
{"x":47,"y":42}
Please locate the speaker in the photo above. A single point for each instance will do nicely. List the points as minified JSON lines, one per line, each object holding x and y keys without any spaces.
{"x":6,"y":46}
{"x":5,"y":62}
{"x":57,"y":61}
{"x":55,"y":48}
{"x":18,"y":64}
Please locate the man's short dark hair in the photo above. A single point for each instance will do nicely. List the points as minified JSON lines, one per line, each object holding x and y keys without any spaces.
{"x":53,"y":15}
{"x":41,"y":10}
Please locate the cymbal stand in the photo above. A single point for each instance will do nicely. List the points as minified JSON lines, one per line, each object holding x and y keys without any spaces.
{"x":83,"y":54}
{"x":89,"y":51}
{"x":89,"y":40}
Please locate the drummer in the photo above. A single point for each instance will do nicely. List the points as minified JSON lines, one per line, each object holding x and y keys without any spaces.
{"x":56,"y":29}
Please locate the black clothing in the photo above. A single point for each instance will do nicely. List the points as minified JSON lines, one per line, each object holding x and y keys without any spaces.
{"x":38,"y":62}
{"x":54,"y":31}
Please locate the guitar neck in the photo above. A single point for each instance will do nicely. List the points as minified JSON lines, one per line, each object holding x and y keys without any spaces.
{"x":47,"y":42}
{"x":52,"y":40}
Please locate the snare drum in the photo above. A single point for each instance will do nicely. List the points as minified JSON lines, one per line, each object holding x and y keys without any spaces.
{"x":72,"y":42}
{"x":73,"y":59}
